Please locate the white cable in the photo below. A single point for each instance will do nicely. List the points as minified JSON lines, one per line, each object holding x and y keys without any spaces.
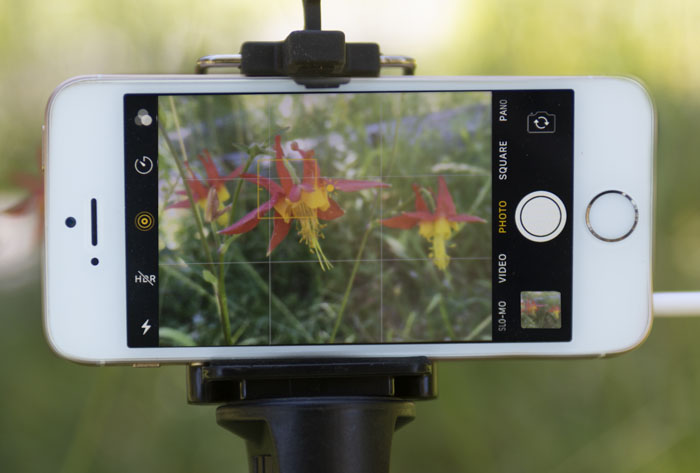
{"x":672,"y":304}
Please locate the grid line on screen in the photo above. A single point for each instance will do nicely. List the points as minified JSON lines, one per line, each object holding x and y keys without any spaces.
{"x":269,"y":231}
{"x":381,"y":176}
{"x":381,"y":229}
{"x":376,"y":260}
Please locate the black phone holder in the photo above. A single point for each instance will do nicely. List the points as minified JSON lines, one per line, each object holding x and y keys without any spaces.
{"x":299,"y":416}
{"x":312,"y":57}
{"x":313,"y":415}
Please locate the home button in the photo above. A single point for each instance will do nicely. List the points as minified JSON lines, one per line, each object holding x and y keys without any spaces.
{"x":612,"y":216}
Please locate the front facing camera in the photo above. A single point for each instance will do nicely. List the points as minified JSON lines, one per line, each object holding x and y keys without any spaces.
{"x":70,"y":222}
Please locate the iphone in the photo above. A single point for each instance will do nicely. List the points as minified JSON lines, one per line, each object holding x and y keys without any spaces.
{"x":194,"y":218}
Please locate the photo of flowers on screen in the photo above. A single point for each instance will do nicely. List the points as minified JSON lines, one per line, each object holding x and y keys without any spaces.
{"x":540,"y":309}
{"x":324,"y":218}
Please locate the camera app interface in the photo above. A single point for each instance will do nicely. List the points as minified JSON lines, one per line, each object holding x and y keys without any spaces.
{"x":348,"y":218}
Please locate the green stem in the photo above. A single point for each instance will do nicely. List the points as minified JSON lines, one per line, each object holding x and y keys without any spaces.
{"x":178,"y":127}
{"x":221,"y":290}
{"x":483,"y":192}
{"x":435,"y":274}
{"x":406,"y":332}
{"x":446,"y":318}
{"x":427,"y":195}
{"x":348,"y":288}
{"x":292,"y":172}
{"x":239,"y":333}
{"x":181,"y":170}
{"x":214,"y":228}
{"x":222,"y":304}
{"x":395,"y":144}
{"x":237,"y":192}
{"x":221,"y":280}
{"x":479,"y":328}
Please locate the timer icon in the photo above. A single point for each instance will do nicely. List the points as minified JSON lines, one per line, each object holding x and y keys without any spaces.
{"x":143,"y":165}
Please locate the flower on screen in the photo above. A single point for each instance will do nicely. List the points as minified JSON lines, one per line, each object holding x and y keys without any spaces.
{"x":437,"y":226}
{"x":306,"y":201}
{"x":209,"y":193}
{"x":529,"y":307}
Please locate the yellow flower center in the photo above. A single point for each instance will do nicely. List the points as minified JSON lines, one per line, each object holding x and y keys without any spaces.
{"x":305,"y":211}
{"x":438,"y":232}
{"x":223,"y":193}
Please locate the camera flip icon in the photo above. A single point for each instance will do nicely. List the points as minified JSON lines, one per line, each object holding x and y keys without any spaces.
{"x":541,"y":122}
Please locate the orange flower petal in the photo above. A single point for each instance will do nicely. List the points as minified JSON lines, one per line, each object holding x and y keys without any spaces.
{"x":332,"y":212}
{"x":465,"y":218}
{"x":209,"y":166}
{"x":233,"y":174}
{"x":424,"y":216}
{"x":282,"y":172}
{"x":403,"y":222}
{"x":346,"y":185}
{"x":251,"y":219}
{"x":198,"y":190}
{"x":421,"y":206}
{"x":279,"y":232}
{"x":311,"y":169}
{"x":271,"y":186}
{"x":445,"y":205}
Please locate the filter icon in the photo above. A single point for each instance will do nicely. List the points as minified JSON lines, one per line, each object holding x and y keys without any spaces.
{"x":144,"y":221}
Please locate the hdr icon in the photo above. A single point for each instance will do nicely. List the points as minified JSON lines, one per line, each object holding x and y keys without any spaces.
{"x":141,"y":278}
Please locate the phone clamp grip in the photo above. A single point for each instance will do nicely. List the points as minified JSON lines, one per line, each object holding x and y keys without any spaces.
{"x":312,"y":57}
{"x":296,"y":416}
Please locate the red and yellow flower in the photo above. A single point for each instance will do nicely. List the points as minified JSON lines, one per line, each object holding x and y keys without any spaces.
{"x":209,"y":193}
{"x":555,"y":311}
{"x":306,"y":201}
{"x":438,"y":226}
{"x":529,"y":307}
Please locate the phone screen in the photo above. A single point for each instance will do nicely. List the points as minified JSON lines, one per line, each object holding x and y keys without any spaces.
{"x":348,"y":218}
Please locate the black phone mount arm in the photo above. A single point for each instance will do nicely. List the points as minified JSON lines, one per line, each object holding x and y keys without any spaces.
{"x":299,"y":416}
{"x":313,"y":57}
{"x":313,"y":415}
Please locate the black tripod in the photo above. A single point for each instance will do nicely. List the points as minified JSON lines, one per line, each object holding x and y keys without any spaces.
{"x":331,"y":416}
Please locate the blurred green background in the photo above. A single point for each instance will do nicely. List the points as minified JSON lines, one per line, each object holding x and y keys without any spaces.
{"x":634,"y":413}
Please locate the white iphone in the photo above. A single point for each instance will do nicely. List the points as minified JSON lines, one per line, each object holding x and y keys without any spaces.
{"x":194,"y":218}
